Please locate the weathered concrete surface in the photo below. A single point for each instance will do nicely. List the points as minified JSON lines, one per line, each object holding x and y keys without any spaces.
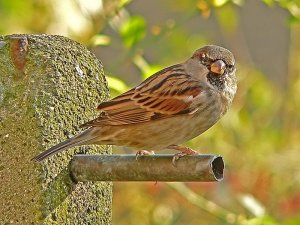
{"x":48,"y":86}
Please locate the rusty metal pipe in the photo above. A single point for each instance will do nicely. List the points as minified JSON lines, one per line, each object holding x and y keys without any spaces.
{"x":147,"y":168}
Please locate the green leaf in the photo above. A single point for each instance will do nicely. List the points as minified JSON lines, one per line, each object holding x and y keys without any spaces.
{"x":227,"y":17}
{"x":219,"y":3}
{"x":99,"y":40}
{"x":266,"y":220}
{"x":116,"y":84}
{"x":133,"y":30}
{"x":293,"y":20}
{"x":292,"y":221}
{"x":142,"y":64}
{"x":151,"y":70}
{"x":123,"y":3}
{"x":269,"y":2}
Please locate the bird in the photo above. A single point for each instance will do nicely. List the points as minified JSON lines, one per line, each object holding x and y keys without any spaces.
{"x":174,"y":105}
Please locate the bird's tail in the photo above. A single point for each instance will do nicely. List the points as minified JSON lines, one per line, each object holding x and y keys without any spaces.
{"x":80,"y":139}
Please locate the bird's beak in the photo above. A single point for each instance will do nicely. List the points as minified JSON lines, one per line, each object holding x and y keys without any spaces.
{"x":218,"y":67}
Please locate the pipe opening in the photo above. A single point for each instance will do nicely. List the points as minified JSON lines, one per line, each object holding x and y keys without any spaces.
{"x":217,"y":166}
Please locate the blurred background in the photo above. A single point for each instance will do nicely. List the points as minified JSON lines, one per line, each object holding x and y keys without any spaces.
{"x":260,"y":135}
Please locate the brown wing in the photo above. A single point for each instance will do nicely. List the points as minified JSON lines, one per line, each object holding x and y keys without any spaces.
{"x":166,"y":93}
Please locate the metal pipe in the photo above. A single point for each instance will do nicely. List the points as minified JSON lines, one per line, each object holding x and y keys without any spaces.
{"x":147,"y":168}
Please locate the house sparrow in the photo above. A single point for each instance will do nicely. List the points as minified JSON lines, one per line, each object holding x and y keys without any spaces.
{"x":172,"y":106}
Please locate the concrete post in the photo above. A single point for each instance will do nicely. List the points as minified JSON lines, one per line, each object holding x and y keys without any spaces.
{"x":49,"y":85}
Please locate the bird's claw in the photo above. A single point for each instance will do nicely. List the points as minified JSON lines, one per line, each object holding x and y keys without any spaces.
{"x":143,"y":152}
{"x":185,"y":151}
{"x":177,"y":156}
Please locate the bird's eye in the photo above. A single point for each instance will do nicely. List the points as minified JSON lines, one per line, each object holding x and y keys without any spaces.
{"x":230,"y":67}
{"x":204,"y":59}
{"x":203,"y":56}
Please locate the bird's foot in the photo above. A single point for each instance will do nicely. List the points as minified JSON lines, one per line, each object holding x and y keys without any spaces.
{"x":143,"y":152}
{"x":183,"y":152}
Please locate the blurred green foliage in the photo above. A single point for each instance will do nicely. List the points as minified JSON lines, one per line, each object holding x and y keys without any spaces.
{"x":259,"y":137}
{"x":133,"y":30}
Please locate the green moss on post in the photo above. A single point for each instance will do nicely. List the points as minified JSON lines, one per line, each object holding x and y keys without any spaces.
{"x":48,"y":86}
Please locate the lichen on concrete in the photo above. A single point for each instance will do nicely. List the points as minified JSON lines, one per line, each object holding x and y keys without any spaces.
{"x":42,"y":104}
